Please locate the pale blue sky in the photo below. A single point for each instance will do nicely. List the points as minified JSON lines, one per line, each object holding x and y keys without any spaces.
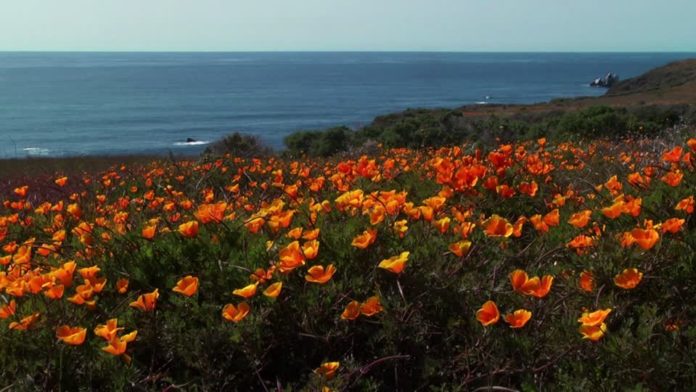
{"x":319,"y":25}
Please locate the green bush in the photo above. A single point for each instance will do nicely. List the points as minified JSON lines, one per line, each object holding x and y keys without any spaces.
{"x":239,"y":145}
{"x":318,"y":143}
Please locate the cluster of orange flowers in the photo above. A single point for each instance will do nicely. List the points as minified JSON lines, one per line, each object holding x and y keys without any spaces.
{"x":265,"y":197}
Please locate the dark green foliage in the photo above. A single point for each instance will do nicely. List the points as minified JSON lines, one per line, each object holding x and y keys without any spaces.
{"x":240,"y":145}
{"x":423,"y":128}
{"x":318,"y":143}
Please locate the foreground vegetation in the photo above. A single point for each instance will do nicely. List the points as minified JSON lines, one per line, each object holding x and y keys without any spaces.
{"x":535,"y":265}
{"x":428,"y":128}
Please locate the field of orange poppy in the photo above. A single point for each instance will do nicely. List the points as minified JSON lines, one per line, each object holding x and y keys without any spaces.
{"x":534,"y":265}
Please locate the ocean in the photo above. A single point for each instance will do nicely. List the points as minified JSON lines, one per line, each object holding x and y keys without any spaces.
{"x":73,"y":104}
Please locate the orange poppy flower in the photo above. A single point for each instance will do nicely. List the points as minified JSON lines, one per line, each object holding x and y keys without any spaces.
{"x":517,"y":226}
{"x":25,"y":323}
{"x":536,"y":287}
{"x":61,"y":181}
{"x":207,"y":213}
{"x":580,"y":219}
{"x":529,"y":189}
{"x":539,"y":288}
{"x":247,"y":291}
{"x":628,"y":278}
{"x":400,"y":227}
{"x":73,"y":336}
{"x":586,"y":281}
{"x":146,"y":302}
{"x":235,"y":314}
{"x":295,"y":233}
{"x":89,"y":273}
{"x":352,"y":311}
{"x":594,"y":318}
{"x":518,"y":318}
{"x":626,"y":240}
{"x":495,"y":226}
{"x":518,"y":278}
{"x":673,"y":155}
{"x":273,"y":290}
{"x":118,"y":345}
{"x":435,"y":202}
{"x":672,"y":225}
{"x":615,"y":210}
{"x":686,"y":205}
{"x":692,"y":144}
{"x":327,"y":369}
{"x":365,"y":239}
{"x":460,"y":248}
{"x":261,"y":275}
{"x":310,"y":249}
{"x":371,"y":306}
{"x":581,"y":243}
{"x":442,"y":225}
{"x":633,"y":206}
{"x":21,"y":191}
{"x":488,"y":314}
{"x":109,"y":330}
{"x":187,"y":286}
{"x":254,"y":224}
{"x":593,"y":332}
{"x":75,"y":210}
{"x":317,"y":274}
{"x":122,"y":285}
{"x":54,"y":291}
{"x":281,"y":220}
{"x":539,"y":224}
{"x":645,"y":238}
{"x":673,"y":178}
{"x":8,"y":310}
{"x":613,"y":185}
{"x":149,"y":232}
{"x":189,"y":229}
{"x":553,"y":218}
{"x":310,"y":235}
{"x":395,"y":264}
{"x":638,"y":181}
{"x":291,"y":257}
{"x":23,"y":255}
{"x":377,"y":215}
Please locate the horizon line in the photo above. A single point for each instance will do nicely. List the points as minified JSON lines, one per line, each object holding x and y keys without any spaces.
{"x":357,"y":51}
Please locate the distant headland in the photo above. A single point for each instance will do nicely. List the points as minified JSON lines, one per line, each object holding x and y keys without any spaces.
{"x":653,"y":102}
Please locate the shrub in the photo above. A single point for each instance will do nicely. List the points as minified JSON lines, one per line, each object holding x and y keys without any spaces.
{"x":318,"y":143}
{"x":239,"y":145}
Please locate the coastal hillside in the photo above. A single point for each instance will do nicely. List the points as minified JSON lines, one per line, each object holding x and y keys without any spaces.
{"x":675,"y":80}
{"x":651,"y":104}
{"x":671,"y":84}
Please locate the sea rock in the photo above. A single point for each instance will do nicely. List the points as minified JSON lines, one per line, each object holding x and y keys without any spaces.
{"x":607,"y":81}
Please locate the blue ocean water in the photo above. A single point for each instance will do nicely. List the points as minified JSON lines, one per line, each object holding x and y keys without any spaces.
{"x":62,"y":104}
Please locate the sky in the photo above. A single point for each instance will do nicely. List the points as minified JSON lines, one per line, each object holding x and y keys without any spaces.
{"x":347,"y":25}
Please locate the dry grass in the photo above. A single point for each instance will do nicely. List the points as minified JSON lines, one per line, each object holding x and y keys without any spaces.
{"x":39,"y":173}
{"x":20,"y":168}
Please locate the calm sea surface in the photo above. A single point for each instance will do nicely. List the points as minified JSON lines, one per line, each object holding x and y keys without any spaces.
{"x":60,"y":104}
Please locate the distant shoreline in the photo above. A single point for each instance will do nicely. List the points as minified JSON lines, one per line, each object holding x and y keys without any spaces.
{"x":635,"y":96}
{"x":348,"y":51}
